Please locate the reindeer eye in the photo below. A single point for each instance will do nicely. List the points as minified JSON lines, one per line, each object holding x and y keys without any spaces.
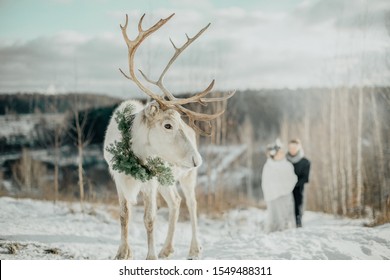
{"x":168,"y":126}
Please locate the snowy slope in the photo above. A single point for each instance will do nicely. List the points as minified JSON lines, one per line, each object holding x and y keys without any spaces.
{"x":41,"y":230}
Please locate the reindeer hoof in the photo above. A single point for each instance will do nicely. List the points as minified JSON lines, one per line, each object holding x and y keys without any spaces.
{"x":166,"y":253}
{"x":193,"y":257}
{"x":124,"y":253}
{"x":151,"y":257}
{"x":195,"y":253}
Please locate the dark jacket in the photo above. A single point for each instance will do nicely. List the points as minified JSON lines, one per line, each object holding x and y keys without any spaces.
{"x":302,"y":170}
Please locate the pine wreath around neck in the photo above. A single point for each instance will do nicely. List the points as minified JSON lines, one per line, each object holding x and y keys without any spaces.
{"x":125,"y":161}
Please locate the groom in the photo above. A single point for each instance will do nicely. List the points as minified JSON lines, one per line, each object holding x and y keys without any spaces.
{"x":302,"y":169}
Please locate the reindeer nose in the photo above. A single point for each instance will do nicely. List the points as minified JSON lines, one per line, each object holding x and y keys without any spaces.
{"x":197,"y":161}
{"x":193,"y":161}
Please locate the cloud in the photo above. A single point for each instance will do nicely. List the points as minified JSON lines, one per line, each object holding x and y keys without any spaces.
{"x":62,"y":59}
{"x":191,"y":5}
{"x":311,"y":46}
{"x":343,"y":13}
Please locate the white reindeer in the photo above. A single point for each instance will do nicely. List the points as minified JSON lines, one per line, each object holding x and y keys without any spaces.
{"x":159,"y":131}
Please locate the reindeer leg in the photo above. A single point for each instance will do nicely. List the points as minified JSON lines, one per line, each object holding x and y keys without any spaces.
{"x":150,"y":204}
{"x":124,"y":251}
{"x":173,"y":199}
{"x":188,"y":184}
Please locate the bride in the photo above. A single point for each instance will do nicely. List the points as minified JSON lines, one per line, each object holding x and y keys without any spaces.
{"x":278,"y":182}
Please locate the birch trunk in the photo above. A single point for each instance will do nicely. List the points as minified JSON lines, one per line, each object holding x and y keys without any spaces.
{"x":379,"y":154}
{"x":332,"y":150}
{"x":359,"y":177}
{"x":348,"y":155}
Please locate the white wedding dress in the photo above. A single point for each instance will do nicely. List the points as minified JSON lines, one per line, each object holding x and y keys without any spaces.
{"x":278,"y":182}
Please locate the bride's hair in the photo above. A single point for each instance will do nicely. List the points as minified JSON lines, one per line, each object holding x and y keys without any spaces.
{"x":274,"y":148}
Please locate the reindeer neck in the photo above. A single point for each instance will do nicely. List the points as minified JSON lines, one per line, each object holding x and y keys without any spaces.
{"x":141,"y":143}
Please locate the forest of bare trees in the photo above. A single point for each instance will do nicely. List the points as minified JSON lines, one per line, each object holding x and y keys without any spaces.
{"x":345,"y":133}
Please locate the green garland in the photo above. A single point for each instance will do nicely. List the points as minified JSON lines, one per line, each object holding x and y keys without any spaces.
{"x":125,"y":161}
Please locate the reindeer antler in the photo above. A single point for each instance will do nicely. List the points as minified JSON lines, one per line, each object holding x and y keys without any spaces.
{"x":172,"y":102}
{"x":132,"y":46}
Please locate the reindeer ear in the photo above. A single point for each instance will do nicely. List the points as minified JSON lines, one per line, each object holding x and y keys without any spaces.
{"x":151,"y":110}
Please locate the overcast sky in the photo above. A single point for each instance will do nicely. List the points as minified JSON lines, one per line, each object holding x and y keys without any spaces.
{"x":57,"y":46}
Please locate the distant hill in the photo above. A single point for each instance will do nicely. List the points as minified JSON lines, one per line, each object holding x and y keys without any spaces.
{"x":266,"y":109}
{"x":28,"y":103}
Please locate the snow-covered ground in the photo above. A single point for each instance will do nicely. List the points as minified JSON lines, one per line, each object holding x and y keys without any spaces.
{"x":31,"y":229}
{"x":24,"y":125}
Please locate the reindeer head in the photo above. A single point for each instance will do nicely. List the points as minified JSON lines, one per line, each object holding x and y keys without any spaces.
{"x":164,"y":134}
{"x":167,"y":132}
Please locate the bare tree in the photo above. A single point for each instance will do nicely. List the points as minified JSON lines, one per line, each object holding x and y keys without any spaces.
{"x":359,"y":152}
{"x":333,"y":151}
{"x":82,"y":138}
{"x":379,"y":152}
{"x":51,"y":137}
{"x":348,"y":153}
{"x":248,"y":139}
{"x":28,"y":173}
{"x":58,"y":136}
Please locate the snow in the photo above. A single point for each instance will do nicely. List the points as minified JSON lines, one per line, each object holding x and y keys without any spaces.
{"x":32,"y":229}
{"x":221,"y":158}
{"x":25,"y":124}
